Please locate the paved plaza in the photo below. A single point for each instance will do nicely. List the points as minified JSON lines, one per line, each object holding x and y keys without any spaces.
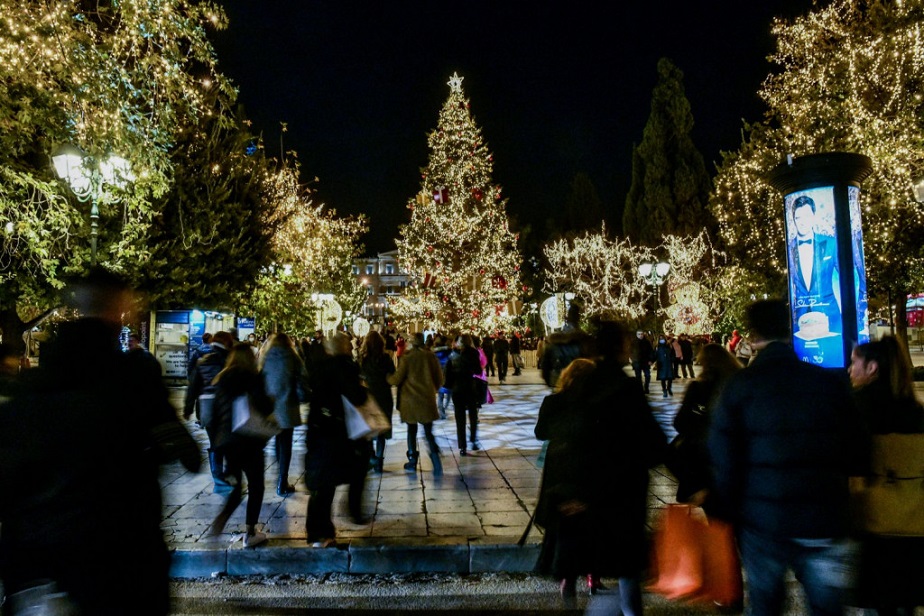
{"x":467,"y":520}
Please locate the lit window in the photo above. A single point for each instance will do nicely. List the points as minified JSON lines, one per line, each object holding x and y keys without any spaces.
{"x":370,"y":269}
{"x":356,"y":270}
{"x":389,"y":268}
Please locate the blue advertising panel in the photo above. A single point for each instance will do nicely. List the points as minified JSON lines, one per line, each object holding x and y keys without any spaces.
{"x":859,"y":265}
{"x":814,"y":277}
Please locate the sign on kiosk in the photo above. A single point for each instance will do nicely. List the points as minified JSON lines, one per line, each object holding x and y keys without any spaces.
{"x":824,"y":251}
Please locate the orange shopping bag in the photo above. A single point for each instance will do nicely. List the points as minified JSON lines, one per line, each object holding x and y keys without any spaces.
{"x":696,"y":560}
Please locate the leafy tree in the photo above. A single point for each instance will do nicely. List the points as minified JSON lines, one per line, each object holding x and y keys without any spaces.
{"x":847,"y":78}
{"x":312,"y":254}
{"x":110,"y":77}
{"x":670,"y":186}
{"x":458,"y":247}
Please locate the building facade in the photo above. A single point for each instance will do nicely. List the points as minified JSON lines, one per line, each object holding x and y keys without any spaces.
{"x":382,"y":278}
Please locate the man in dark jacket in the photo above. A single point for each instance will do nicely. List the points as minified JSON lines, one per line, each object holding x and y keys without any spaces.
{"x":201,"y":394}
{"x":784,"y":439}
{"x":642,"y":356}
{"x":501,"y":356}
{"x":515,"y":354}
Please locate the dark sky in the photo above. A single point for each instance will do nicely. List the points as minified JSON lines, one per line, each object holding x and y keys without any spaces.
{"x":557,"y":88}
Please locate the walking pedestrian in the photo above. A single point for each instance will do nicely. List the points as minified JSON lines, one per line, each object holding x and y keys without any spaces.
{"x":376,"y":366}
{"x":686,"y":361}
{"x":501,"y":356}
{"x":284,"y":375}
{"x":664,"y":360}
{"x":515,"y":345}
{"x":332,"y":458}
{"x":641,"y":358}
{"x":201,"y":395}
{"x":88,"y":420}
{"x":785,"y":437}
{"x":891,"y":567}
{"x":487,"y":345}
{"x":244,"y":454}
{"x":418,"y":378}
{"x":461,"y":369}
{"x":442,"y":350}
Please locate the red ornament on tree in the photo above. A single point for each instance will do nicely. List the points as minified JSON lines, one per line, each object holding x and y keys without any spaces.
{"x":499,"y":282}
{"x":478,"y":194}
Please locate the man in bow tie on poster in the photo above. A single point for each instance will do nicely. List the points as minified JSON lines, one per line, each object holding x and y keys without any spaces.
{"x":813,"y":266}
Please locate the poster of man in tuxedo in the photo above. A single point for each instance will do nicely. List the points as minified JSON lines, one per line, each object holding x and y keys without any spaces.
{"x":814,"y":276}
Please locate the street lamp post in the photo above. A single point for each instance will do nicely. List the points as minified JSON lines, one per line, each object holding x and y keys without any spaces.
{"x":87,"y":177}
{"x":653,"y":274}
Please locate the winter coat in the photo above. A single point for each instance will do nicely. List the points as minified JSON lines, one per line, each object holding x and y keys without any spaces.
{"x":207,"y":368}
{"x":688,"y":459}
{"x":375,"y":372}
{"x":608,"y":441}
{"x":891,"y":568}
{"x":82,"y":425}
{"x":283,"y":373}
{"x":461,"y":369}
{"x":332,"y":458}
{"x":418,"y":378}
{"x":785,"y":436}
{"x":233,"y":383}
{"x":664,"y":356}
{"x":560,"y":350}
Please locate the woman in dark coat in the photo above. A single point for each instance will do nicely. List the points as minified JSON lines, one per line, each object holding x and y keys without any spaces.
{"x":375,"y":367}
{"x":283,"y":373}
{"x":689,"y":455}
{"x":891,"y":567}
{"x":607,"y":484}
{"x":244,"y":454}
{"x":664,"y":356}
{"x":562,"y":555}
{"x":332,"y":459}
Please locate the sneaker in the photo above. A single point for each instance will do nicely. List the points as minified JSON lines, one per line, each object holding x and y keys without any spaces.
{"x":251,"y":541}
{"x":476,"y":446}
{"x":323,"y":543}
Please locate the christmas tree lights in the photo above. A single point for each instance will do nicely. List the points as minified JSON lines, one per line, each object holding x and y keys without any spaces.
{"x":458,"y":248}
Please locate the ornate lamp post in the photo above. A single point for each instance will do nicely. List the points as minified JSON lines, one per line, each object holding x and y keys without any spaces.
{"x":654,"y":273}
{"x":87,"y":177}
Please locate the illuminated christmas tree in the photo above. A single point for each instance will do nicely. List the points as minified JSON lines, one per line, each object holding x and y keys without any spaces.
{"x":457,"y":247}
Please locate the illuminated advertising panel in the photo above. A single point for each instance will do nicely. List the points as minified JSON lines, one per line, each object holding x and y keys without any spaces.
{"x":859,"y":265}
{"x":814,"y":277}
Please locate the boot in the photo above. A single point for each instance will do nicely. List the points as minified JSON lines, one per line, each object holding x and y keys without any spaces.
{"x":411,"y":464}
{"x":283,"y":487}
{"x":379,"y":465}
{"x":437,"y":462}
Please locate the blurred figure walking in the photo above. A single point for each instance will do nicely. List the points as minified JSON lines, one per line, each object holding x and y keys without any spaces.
{"x":244,"y":454}
{"x":284,"y":376}
{"x":376,"y":366}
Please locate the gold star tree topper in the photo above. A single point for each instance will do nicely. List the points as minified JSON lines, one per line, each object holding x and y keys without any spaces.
{"x":455,"y":82}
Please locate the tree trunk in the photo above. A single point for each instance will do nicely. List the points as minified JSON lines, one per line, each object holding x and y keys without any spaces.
{"x":13,"y":327}
{"x":900,"y":296}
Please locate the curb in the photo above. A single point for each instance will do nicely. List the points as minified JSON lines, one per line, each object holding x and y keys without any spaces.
{"x":366,"y":556}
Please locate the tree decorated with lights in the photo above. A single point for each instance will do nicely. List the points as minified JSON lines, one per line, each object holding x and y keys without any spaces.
{"x":112,"y":78}
{"x":849,"y":79}
{"x":458,"y":247}
{"x":604,"y":274}
{"x":313,"y":252}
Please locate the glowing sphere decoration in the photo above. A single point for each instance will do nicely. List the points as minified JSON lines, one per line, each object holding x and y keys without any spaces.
{"x":360,"y":327}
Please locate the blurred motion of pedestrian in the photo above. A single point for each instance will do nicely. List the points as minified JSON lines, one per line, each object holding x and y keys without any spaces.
{"x":284,"y":375}
{"x":88,"y":421}
{"x":784,"y":439}
{"x":376,"y":366}
{"x":418,"y":378}
{"x":891,"y":567}
{"x":244,"y":454}
{"x":442,"y":350}
{"x":200,"y":395}
{"x":689,"y":454}
{"x":664,"y":361}
{"x":565,"y":554}
{"x":332,"y":458}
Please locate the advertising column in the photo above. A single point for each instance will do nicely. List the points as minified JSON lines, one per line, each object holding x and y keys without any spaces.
{"x":824,"y":250}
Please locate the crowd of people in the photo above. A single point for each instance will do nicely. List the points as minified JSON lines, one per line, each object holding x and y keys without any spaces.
{"x":778,"y":448}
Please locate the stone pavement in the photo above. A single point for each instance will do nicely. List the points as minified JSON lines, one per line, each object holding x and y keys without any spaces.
{"x":468,"y":520}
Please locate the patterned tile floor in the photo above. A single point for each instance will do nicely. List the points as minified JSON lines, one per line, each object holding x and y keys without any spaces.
{"x":488,"y":494}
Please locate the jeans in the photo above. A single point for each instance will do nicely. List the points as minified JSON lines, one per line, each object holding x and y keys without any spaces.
{"x":462,"y":404}
{"x":626,"y":600}
{"x":825,"y":567}
{"x":442,"y":401}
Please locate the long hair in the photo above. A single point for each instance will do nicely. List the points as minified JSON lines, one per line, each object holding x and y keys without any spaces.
{"x":717,"y":363}
{"x":894,"y":368}
{"x":240,"y":357}
{"x":373,"y":346}
{"x":575,"y":374}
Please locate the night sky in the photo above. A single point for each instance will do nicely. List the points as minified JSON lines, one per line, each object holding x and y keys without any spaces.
{"x":557,"y":88}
